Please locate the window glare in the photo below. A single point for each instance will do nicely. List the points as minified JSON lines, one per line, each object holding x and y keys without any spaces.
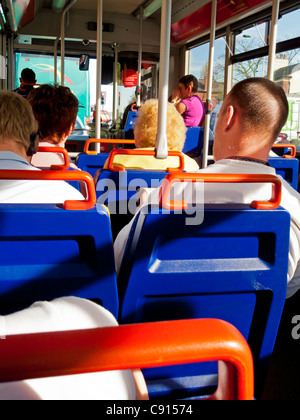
{"x":288,"y":26}
{"x":251,"y":39}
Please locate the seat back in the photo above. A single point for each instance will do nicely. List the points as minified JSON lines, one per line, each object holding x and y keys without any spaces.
{"x":232,"y":266}
{"x":287,"y":168}
{"x":131,"y":347}
{"x":286,"y":165}
{"x":193,"y":145}
{"x":49,"y":252}
{"x":91,"y":161}
{"x":129,"y":126}
{"x":194,"y":141}
{"x":118,"y":184}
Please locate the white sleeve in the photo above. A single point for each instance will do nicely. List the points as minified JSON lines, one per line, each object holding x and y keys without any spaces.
{"x":63,"y":315}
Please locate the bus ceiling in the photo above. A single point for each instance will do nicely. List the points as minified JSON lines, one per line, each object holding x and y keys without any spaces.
{"x":24,"y":16}
{"x":20,"y":14}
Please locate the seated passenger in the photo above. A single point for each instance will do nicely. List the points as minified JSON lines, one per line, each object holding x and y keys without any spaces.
{"x":27,"y":82}
{"x":55,"y":109}
{"x":249,"y":123}
{"x":18,"y":142}
{"x":68,"y":314}
{"x":145,"y":132}
{"x":188,"y":103}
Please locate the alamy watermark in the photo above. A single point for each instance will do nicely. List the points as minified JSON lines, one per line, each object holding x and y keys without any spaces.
{"x":296,"y":329}
{"x":126,"y":197}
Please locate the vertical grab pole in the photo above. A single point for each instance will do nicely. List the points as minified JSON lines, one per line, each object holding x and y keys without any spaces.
{"x":115,"y":102}
{"x":55,"y":58}
{"x":4,"y":52}
{"x":99,"y":71}
{"x":273,"y":39}
{"x":165,"y":41}
{"x":138,"y":102}
{"x":210,"y":82}
{"x":62,"y":32}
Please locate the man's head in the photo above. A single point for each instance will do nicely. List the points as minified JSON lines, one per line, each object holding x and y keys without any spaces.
{"x":188,"y":86}
{"x":56,"y":109}
{"x":145,"y":130}
{"x":18,"y":127}
{"x":250,"y":120}
{"x":28,"y":77}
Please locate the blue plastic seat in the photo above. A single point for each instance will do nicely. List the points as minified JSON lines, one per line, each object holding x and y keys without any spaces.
{"x":115,"y":185}
{"x":194,"y":141}
{"x":232,"y":266}
{"x":287,"y":168}
{"x":112,"y":187}
{"x":91,"y":163}
{"x":48,"y":252}
{"x":128,"y":130}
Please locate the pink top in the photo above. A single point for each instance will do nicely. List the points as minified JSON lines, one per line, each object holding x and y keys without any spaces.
{"x":195,"y":111}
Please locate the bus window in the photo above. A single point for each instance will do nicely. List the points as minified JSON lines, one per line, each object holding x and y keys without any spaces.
{"x":252,"y":38}
{"x":43,"y":66}
{"x":288,"y":26}
{"x":288,"y":77}
{"x":255,"y":67}
{"x":287,"y":74}
{"x":199,"y":67}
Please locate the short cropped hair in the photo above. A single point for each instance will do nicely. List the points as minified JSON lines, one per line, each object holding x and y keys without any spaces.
{"x":56,"y":109}
{"x":28,"y":76}
{"x":190,"y":80}
{"x":17,"y":121}
{"x":263,"y":105}
{"x":145,"y":130}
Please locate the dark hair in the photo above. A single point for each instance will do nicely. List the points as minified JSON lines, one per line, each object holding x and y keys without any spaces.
{"x":263,"y":104}
{"x":55,"y":108}
{"x":190,"y":80}
{"x":28,"y":76}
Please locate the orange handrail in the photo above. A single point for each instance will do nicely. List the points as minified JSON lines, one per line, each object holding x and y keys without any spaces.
{"x":139,"y":152}
{"x":170,"y":180}
{"x":61,"y":150}
{"x":58,"y":176}
{"x":287,"y":146}
{"x":104,"y":141}
{"x":131,"y":347}
{"x":134,"y":108}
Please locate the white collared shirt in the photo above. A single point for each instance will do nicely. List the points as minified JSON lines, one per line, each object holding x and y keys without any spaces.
{"x":30,"y":192}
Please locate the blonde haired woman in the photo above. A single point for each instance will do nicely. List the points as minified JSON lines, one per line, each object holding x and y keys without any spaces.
{"x":145,"y":132}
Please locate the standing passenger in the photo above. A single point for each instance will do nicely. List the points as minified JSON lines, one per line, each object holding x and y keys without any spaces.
{"x":188,"y":103}
{"x":27,"y":82}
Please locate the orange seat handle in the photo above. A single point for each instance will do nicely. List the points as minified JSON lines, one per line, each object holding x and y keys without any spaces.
{"x":60,"y":150}
{"x":171,"y":179}
{"x":134,"y":346}
{"x":287,"y":146}
{"x":58,"y":176}
{"x":138,"y":152}
{"x":103,"y":141}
